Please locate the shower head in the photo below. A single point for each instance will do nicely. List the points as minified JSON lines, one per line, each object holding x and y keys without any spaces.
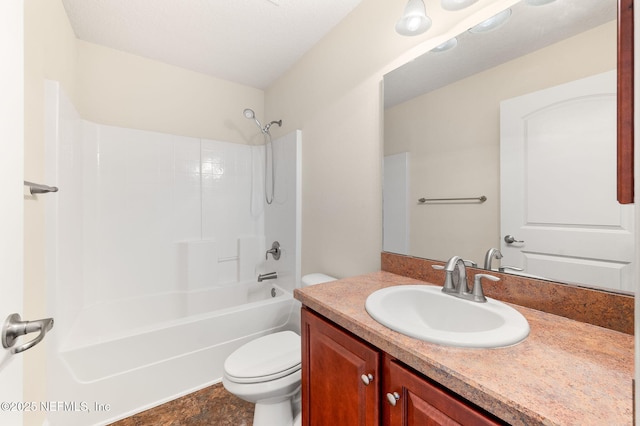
{"x":249,"y":114}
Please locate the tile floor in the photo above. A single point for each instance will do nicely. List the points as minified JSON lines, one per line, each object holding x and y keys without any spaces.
{"x":211,"y":406}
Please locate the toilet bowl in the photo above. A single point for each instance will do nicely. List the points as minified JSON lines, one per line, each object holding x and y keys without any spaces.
{"x":267,"y":372}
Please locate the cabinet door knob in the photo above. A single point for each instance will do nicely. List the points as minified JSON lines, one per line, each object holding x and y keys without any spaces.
{"x":393,"y":398}
{"x":366,"y":378}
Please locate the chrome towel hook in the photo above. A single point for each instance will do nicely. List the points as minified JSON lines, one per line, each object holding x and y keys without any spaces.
{"x":14,"y":328}
{"x":36,"y":188}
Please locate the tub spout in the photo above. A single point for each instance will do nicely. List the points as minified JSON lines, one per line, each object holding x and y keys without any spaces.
{"x":267,"y":276}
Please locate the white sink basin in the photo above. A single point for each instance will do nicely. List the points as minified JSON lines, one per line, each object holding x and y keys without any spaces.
{"x":426,"y":313}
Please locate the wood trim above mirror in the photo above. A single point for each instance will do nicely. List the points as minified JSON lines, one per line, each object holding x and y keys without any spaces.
{"x":625,"y":102}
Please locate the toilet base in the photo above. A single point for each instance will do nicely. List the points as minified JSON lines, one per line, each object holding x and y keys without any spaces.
{"x":272,"y":414}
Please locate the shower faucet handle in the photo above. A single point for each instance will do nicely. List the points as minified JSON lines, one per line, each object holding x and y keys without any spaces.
{"x":274,"y":251}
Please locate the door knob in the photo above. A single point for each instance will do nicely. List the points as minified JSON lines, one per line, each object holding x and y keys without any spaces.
{"x":14,"y":328}
{"x":509,"y":239}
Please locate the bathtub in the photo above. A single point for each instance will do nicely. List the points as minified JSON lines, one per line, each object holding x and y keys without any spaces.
{"x":127,"y":356}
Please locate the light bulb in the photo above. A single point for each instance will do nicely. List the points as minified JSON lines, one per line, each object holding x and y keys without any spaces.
{"x":539,"y":2}
{"x":492,"y":23}
{"x":456,"y":4}
{"x":414,"y":20}
{"x":449,"y":44}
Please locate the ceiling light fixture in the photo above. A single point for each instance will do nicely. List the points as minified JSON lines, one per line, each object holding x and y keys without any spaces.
{"x":456,"y":4}
{"x":414,"y":20}
{"x":449,"y":44}
{"x":492,"y":23}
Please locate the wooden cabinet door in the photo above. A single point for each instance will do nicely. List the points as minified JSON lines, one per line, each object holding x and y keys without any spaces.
{"x":333,"y":363}
{"x":419,"y":402}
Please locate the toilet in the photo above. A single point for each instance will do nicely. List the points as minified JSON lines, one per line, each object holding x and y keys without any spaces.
{"x":267,"y":372}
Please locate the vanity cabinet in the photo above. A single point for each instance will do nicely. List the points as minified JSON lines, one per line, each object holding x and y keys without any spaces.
{"x":410,"y":399}
{"x":340,"y":376}
{"x":346,"y":381}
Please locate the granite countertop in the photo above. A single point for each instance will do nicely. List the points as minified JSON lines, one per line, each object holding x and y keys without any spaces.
{"x":565,"y":373}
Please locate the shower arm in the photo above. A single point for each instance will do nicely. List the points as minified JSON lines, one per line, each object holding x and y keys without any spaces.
{"x":268,"y":126}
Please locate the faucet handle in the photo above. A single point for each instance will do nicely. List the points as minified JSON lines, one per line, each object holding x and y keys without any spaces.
{"x":275,"y":251}
{"x":448,"y":286}
{"x":478,"y":294}
{"x":509,"y":268}
{"x":470,"y":263}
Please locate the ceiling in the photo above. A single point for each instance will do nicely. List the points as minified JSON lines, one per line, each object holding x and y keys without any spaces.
{"x":250,"y":42}
{"x":530,"y":28}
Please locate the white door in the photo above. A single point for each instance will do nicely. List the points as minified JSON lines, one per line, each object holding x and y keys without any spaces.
{"x":11,"y":198}
{"x":395,"y":212}
{"x":558,"y":185}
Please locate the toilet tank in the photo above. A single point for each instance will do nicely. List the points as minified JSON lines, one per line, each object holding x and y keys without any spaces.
{"x":306,"y":281}
{"x":316,"y":278}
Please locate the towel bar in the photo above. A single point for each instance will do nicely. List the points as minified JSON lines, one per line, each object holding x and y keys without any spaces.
{"x":482,"y":199}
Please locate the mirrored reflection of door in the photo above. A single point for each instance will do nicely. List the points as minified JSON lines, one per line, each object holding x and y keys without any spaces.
{"x":395,"y":204}
{"x":558,"y":185}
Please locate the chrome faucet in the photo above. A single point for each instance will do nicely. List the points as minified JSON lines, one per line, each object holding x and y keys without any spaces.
{"x":492,"y":253}
{"x":267,"y":276}
{"x":457,"y":285}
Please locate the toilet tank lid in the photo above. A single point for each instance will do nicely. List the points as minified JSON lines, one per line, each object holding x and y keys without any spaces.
{"x":316,"y":278}
{"x":265,"y":356}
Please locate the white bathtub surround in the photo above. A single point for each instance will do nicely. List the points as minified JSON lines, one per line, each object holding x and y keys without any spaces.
{"x":152,"y":191}
{"x":196,"y":263}
{"x":136,"y":371}
{"x":251,"y":252}
{"x":161,"y":337}
{"x":153,"y":243}
{"x":283,"y":222}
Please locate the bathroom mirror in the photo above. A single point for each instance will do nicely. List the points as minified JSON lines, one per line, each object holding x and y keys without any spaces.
{"x":442,"y":133}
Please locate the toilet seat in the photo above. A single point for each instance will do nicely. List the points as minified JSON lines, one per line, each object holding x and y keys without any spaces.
{"x":265,"y":359}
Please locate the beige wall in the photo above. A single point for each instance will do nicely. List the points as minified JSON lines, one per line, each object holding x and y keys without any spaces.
{"x":50,"y":52}
{"x":453,"y":134}
{"x":121,"y":89}
{"x":333,"y":95}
